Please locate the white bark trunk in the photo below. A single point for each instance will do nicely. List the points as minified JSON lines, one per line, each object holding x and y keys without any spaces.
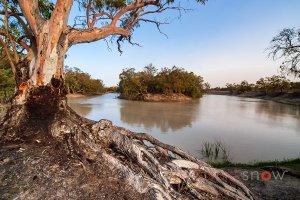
{"x":49,"y":59}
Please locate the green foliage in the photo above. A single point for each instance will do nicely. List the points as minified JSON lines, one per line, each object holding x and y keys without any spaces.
{"x":7,"y":81}
{"x":133,"y":85}
{"x":46,"y":7}
{"x":77,"y":81}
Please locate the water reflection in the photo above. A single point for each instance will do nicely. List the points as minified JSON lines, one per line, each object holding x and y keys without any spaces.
{"x":277,"y":111}
{"x":280,"y":113}
{"x":79,"y":105}
{"x":165,"y":116}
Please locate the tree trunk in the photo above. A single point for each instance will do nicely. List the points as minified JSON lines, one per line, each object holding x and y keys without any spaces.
{"x":40,"y":86}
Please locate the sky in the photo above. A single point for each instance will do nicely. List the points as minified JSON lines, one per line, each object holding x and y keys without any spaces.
{"x":224,"y":41}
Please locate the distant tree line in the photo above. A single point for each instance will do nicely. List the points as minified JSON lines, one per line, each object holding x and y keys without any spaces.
{"x":268,"y":85}
{"x":133,"y":85}
{"x":77,"y":81}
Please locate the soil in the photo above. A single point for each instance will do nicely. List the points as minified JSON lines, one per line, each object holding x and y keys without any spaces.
{"x":286,"y":189}
{"x":43,"y":170}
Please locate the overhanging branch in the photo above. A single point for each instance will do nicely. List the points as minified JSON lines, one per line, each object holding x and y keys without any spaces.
{"x":76,"y":36}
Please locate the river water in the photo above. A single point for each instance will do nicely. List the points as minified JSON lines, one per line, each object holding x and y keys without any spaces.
{"x":251,"y":129}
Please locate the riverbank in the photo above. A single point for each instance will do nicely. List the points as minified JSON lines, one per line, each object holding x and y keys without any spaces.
{"x":160,"y":98}
{"x":282,"y":180}
{"x":76,"y":95}
{"x":291,"y":98}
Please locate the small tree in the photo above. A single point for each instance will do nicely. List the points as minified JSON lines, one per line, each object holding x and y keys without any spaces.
{"x":261,"y":85}
{"x":206,"y":87}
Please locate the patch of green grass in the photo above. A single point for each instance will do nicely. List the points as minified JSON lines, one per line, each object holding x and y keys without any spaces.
{"x":290,"y":163}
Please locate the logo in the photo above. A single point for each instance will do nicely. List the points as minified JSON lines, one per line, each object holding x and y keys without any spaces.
{"x":264,"y":175}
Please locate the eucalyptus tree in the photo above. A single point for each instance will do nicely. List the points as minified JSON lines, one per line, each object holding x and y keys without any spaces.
{"x":38,"y":34}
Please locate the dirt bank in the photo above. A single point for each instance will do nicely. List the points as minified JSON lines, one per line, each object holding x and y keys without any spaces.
{"x":44,"y":170}
{"x":286,"y":189}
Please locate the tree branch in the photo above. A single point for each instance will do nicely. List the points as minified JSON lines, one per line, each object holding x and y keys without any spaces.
{"x":12,"y":65}
{"x":100,"y":14}
{"x":25,"y":27}
{"x":32,"y":14}
{"x":59,"y":19}
{"x":19,"y":41}
{"x":88,"y":8}
{"x":76,"y":36}
{"x":133,"y":6}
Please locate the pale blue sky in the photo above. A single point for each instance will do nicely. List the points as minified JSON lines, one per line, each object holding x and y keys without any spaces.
{"x":223,"y":41}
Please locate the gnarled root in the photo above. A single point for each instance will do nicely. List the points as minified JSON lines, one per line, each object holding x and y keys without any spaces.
{"x":159,"y":170}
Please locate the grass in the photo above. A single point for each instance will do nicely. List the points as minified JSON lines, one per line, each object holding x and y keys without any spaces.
{"x":290,"y":163}
{"x":215,"y":151}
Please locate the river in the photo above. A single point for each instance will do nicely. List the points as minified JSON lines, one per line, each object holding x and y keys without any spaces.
{"x":251,"y":129}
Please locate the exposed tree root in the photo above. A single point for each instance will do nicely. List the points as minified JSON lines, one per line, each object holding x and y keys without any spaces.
{"x":174,"y":170}
{"x":151,"y":167}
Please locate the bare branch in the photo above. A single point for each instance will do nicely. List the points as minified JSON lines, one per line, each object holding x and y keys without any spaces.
{"x":157,"y":23}
{"x":122,"y":38}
